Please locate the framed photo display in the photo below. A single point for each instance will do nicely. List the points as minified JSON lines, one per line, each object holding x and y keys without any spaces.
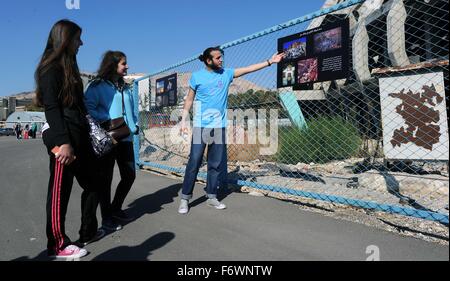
{"x":166,"y":91}
{"x":316,"y":55}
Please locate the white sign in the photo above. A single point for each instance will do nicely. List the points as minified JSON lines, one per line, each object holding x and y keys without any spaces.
{"x":414,"y":117}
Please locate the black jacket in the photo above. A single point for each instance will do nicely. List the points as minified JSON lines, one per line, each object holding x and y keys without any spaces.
{"x":68,"y":125}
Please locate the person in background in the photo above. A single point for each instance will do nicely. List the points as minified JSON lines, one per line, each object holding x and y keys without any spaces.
{"x":18,"y":131}
{"x":33,"y":130}
{"x":26,"y":132}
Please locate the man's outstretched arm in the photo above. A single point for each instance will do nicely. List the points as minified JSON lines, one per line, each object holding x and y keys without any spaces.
{"x":276,"y":58}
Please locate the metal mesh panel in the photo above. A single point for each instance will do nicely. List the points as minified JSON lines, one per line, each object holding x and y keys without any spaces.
{"x":377,"y":139}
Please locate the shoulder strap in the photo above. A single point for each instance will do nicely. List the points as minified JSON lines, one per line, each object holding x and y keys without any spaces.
{"x":123,"y":102}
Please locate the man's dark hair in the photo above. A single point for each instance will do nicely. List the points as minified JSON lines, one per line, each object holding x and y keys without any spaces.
{"x":207,"y":54}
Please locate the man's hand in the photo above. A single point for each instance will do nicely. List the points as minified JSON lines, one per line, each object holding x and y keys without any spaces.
{"x":183,"y":128}
{"x":276,"y":58}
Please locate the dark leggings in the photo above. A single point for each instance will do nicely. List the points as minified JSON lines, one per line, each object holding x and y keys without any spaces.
{"x":124,"y":155}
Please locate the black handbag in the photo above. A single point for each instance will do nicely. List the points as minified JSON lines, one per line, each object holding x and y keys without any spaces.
{"x":101,"y":140}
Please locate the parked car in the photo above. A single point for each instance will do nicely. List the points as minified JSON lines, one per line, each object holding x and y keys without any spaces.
{"x":7,"y":132}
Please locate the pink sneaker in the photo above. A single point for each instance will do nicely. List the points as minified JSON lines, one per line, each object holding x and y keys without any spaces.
{"x":71,"y":252}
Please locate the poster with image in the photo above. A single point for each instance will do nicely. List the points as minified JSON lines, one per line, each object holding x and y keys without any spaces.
{"x":166,"y":91}
{"x":307,"y":70}
{"x":288,"y":73}
{"x":414,"y":117}
{"x":295,"y":49}
{"x":319,"y":54}
{"x":328,"y":40}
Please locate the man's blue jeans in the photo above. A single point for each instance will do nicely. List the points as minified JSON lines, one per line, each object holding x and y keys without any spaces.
{"x":214,"y":138}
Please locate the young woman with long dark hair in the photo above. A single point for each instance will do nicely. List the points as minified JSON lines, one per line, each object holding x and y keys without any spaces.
{"x":59,"y":89}
{"x":108,"y":97}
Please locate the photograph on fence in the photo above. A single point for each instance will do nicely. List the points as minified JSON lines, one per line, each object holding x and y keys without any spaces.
{"x":295,"y":49}
{"x":328,"y":40}
{"x":307,"y":70}
{"x":166,"y":91}
{"x":319,"y":54}
{"x":414,"y":117}
{"x":288,"y":74}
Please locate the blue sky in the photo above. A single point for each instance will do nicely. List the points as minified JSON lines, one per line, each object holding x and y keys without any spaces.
{"x":153,"y":34}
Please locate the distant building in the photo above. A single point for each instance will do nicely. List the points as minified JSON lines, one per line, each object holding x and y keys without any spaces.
{"x":3,"y":113}
{"x":3,"y":109}
{"x":25,"y":118}
{"x":7,"y":106}
{"x":11,"y":104}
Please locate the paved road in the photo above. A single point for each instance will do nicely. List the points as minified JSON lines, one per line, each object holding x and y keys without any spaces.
{"x":252,"y":228}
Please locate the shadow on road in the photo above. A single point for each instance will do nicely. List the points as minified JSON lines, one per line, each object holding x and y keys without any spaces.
{"x":154,"y":202}
{"x":136,"y":253}
{"x":222,"y":193}
{"x":41,"y":257}
{"x":121,"y":253}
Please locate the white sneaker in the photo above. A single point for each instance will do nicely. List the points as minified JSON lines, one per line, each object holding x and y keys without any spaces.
{"x":184,"y":208}
{"x":71,"y":252}
{"x":213,"y":202}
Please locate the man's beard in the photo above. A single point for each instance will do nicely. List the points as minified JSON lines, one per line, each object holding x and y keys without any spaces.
{"x":214,"y":67}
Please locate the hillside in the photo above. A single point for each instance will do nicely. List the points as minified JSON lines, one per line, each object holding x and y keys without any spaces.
{"x":23,"y":95}
{"x":239,"y":85}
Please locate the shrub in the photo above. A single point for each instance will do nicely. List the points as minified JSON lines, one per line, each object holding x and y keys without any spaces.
{"x":326,"y":139}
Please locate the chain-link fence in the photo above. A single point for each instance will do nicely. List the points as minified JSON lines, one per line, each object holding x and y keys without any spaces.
{"x":375,"y":137}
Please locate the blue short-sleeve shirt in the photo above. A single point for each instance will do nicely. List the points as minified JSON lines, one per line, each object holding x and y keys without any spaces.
{"x":211,"y":97}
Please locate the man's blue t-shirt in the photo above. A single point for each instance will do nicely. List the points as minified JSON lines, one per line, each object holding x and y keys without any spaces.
{"x":211,"y":97}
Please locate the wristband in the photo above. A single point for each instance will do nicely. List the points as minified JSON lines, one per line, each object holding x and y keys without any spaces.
{"x":268,"y":61}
